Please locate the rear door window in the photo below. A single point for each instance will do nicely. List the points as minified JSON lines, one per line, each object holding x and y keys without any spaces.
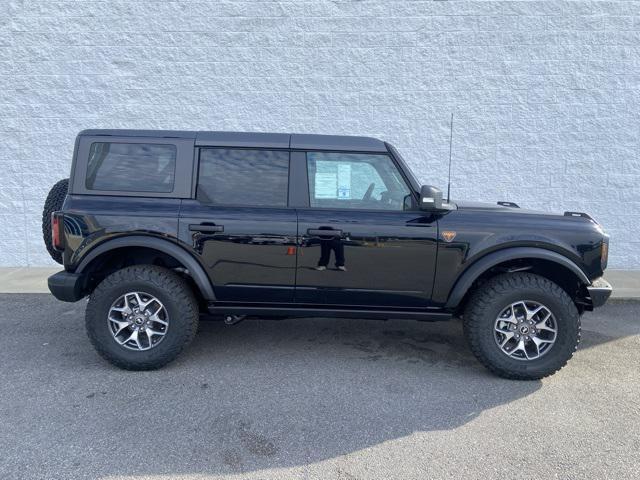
{"x":243,"y":177}
{"x":131,"y":167}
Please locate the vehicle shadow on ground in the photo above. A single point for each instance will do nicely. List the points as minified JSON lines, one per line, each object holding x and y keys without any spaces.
{"x":257,"y":395}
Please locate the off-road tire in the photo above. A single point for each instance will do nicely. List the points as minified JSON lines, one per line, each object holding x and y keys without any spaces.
{"x":491,"y":298}
{"x":168,"y":287}
{"x":53,"y":203}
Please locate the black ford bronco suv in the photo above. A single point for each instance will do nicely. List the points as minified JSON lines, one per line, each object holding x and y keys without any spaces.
{"x":156,"y":227}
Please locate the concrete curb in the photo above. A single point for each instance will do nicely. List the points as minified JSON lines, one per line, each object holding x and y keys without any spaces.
{"x":25,"y":279}
{"x":626,"y":283}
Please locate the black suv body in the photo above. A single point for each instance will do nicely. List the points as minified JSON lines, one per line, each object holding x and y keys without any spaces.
{"x":302,"y":225}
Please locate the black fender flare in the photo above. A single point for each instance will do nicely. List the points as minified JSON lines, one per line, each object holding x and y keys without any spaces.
{"x":471,"y":274}
{"x":180,"y":254}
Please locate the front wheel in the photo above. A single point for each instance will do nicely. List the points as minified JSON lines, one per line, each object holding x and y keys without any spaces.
{"x":522,"y":326}
{"x":141,"y":317}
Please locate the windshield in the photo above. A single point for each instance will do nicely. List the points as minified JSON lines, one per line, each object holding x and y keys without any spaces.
{"x":415,"y":184}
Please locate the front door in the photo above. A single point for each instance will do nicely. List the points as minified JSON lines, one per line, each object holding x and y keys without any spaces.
{"x":240,"y":225}
{"x":362,"y":240}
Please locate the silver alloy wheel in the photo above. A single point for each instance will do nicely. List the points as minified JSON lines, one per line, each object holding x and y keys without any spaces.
{"x":525,"y":330}
{"x":138,"y":321}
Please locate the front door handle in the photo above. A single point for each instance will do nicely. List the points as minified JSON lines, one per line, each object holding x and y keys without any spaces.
{"x":319,"y":232}
{"x":206,"y":227}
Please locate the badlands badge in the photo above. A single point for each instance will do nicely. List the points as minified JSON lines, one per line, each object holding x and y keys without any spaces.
{"x":448,"y":236}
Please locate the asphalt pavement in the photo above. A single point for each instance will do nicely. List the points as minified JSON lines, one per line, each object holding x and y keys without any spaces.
{"x":312,"y":398}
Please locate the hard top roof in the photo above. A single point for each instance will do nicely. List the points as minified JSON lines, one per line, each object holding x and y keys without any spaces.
{"x":257,"y":139}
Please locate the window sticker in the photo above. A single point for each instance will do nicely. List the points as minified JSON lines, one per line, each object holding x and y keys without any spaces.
{"x":344,"y":181}
{"x":326,"y":185}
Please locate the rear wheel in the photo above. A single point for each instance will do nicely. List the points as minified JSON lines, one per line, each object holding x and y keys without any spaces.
{"x":53,"y":203}
{"x":522,"y":326}
{"x":141,"y":317}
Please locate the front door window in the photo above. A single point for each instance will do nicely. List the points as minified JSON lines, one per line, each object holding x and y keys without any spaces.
{"x":355,"y":181}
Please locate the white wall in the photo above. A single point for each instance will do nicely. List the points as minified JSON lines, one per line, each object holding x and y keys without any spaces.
{"x":545,"y":94}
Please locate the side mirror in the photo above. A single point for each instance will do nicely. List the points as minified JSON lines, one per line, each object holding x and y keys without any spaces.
{"x":430,"y":198}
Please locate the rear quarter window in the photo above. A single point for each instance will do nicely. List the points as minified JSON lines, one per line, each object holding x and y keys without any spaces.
{"x":131,"y":167}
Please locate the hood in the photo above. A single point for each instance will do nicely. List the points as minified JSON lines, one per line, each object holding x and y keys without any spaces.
{"x":510,"y":207}
{"x":495,"y":207}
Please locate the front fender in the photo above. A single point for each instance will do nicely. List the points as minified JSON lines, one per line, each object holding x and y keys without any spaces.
{"x":473,"y":272}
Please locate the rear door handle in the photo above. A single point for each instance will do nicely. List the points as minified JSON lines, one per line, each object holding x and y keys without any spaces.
{"x":206,"y":227}
{"x":318,"y":232}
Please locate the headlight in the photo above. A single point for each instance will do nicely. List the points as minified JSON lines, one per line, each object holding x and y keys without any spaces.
{"x":604,"y":252}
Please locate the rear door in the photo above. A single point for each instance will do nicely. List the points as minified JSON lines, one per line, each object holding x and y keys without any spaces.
{"x":363,"y":242}
{"x":240,"y":224}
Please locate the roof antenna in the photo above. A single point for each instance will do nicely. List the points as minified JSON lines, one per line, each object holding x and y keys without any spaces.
{"x":450,"y":147}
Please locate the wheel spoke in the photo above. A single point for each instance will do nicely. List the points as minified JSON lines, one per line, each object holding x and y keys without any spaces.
{"x":503,"y":328}
{"x":132,"y":337}
{"x":131,"y":299}
{"x":537,"y":345}
{"x":539,"y":341}
{"x":155,"y":318}
{"x":511,"y":318}
{"x":122,"y":324}
{"x":126,"y":308}
{"x":523,"y":308}
{"x":151,"y":332}
{"x":546,"y":317}
{"x":507,"y":336}
{"x":543,"y":325}
{"x":520,"y":347}
{"x":158,"y":320}
{"x":534,"y":312}
{"x":144,"y":305}
{"x":138,"y":300}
